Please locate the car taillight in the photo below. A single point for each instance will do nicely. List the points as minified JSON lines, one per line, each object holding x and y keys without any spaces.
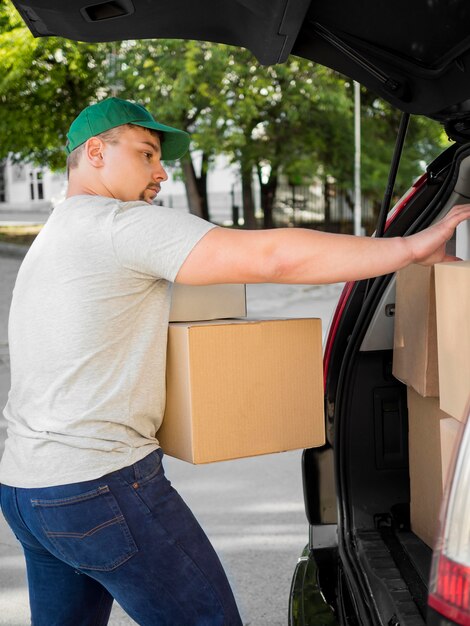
{"x":449,"y":590}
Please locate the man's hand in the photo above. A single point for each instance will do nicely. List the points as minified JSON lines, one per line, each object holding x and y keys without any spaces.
{"x":429,"y":246}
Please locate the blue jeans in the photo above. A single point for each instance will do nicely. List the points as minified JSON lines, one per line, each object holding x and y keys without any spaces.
{"x":126,"y":536}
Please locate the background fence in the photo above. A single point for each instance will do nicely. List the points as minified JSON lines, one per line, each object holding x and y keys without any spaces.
{"x":295,"y":205}
{"x":316,"y":207}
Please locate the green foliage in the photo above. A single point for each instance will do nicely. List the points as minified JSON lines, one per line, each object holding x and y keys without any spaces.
{"x":179,"y":81}
{"x":277,"y":113}
{"x":44,"y":83}
{"x":379,"y":121}
{"x":296,"y":118}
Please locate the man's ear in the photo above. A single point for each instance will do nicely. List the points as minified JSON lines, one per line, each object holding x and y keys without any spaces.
{"x":94,"y":149}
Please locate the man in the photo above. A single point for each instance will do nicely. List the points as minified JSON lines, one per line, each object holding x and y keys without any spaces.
{"x":82,"y":480}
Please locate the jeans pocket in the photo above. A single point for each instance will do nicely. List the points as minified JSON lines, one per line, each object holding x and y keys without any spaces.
{"x":87,"y":530}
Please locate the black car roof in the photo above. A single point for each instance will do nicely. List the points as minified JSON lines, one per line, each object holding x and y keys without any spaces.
{"x":413,"y":53}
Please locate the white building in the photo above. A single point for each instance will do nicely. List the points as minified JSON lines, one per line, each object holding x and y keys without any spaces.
{"x":24,"y":186}
{"x":223,"y":188}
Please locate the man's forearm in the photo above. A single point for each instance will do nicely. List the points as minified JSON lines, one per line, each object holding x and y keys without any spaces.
{"x":305,"y":256}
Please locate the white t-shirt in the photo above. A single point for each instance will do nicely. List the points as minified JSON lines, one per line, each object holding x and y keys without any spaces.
{"x":87,"y":334}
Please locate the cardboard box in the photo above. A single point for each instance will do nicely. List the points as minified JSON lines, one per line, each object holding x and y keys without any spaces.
{"x":453,"y":336}
{"x":241,"y":388}
{"x":450,"y":436}
{"x":207,"y":302}
{"x":426,"y":480}
{"x":415,"y":338}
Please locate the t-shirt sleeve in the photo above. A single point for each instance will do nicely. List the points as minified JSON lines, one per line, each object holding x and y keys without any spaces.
{"x":155,"y":240}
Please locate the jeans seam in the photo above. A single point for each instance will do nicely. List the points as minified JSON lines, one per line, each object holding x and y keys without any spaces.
{"x":14,"y":494}
{"x":136,"y":467}
{"x":195,"y":564}
{"x":142,"y":480}
{"x":114,"y":520}
{"x":172,"y":540}
{"x":136,"y":496}
{"x":72,"y":499}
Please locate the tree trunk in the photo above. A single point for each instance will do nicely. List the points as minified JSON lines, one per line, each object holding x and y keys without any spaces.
{"x":248,"y":200}
{"x":196,"y":187}
{"x":268,"y":193}
{"x":327,"y":197}
{"x":201,"y":184}
{"x":192,"y":192}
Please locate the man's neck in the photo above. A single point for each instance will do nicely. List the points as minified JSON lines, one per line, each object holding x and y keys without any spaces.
{"x":77,"y":188}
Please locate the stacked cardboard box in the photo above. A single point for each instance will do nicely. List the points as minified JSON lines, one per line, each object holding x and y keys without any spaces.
{"x":431,"y":437}
{"x":453,"y":336}
{"x":415,"y":343}
{"x":239,"y":387}
{"x":191,"y":303}
{"x":432,"y":357}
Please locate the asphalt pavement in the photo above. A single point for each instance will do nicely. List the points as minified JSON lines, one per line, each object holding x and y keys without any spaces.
{"x":252,"y":509}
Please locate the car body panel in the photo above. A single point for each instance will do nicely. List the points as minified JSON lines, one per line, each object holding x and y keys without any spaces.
{"x":267,"y":27}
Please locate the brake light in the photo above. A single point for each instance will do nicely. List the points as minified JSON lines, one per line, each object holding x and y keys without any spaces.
{"x":449,"y":591}
{"x":452,"y":596}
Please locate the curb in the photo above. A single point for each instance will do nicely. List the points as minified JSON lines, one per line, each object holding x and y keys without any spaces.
{"x":14,"y":250}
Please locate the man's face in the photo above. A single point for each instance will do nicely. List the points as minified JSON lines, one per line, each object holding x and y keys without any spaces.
{"x":131,"y":168}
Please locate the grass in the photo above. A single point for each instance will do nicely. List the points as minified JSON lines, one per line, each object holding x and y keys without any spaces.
{"x":20,"y":234}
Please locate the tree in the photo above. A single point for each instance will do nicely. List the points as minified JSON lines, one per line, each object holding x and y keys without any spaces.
{"x":279,"y":117}
{"x":294,"y":118}
{"x":179,"y":81}
{"x":424,"y":141}
{"x":44,"y":83}
{"x":229,"y":103}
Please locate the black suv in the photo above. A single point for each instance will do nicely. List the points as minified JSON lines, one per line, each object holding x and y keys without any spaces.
{"x":363,"y":565}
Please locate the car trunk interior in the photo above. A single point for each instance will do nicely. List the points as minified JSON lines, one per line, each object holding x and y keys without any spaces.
{"x":370,"y":427}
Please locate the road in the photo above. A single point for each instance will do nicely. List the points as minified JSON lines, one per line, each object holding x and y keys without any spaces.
{"x":252,"y":509}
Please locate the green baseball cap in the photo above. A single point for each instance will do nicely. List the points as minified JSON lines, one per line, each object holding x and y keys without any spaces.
{"x":112,"y":112}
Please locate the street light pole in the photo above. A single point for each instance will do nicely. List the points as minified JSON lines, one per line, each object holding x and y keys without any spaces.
{"x":357,"y":159}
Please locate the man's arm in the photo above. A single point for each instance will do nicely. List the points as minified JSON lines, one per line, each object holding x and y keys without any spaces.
{"x":296,"y":255}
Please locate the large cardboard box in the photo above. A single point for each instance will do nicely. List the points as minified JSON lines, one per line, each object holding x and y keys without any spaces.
{"x":415,"y":339}
{"x":207,"y":302}
{"x":453,"y":336}
{"x":450,"y":436}
{"x":239,"y":388}
{"x":426,"y":464}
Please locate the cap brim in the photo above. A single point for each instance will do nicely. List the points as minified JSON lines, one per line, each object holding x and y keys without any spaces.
{"x":175,"y":142}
